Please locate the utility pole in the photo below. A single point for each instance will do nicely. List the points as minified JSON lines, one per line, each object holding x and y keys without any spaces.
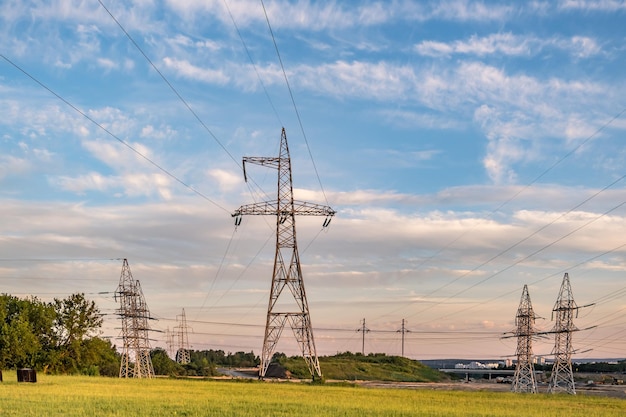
{"x":363,"y":330}
{"x":287,"y":269}
{"x":403,"y":330}
{"x":562,"y":378}
{"x":524,"y":378}
{"x":182,"y":354}
{"x":134,"y":313}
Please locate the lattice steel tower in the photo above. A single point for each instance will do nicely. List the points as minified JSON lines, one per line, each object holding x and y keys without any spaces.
{"x":287,"y":269}
{"x":524,"y":378}
{"x":562,"y":378}
{"x":134,"y":313}
{"x":182,"y":354}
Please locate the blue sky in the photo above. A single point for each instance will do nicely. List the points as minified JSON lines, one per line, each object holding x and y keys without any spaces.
{"x":469,"y":148}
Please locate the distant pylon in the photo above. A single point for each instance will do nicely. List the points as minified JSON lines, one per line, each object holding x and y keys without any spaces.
{"x":169,"y":342}
{"x":287,"y":269}
{"x":562,"y":378}
{"x":524,"y":378}
{"x":182,"y":354}
{"x":134,"y":313}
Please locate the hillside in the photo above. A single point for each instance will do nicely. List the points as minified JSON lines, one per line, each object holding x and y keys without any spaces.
{"x":373,"y":367}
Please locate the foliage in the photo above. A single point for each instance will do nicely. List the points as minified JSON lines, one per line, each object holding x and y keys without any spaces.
{"x":56,"y":337}
{"x":163,"y":364}
{"x":202,"y":362}
{"x":26,"y":332}
{"x":79,"y":396}
{"x":349,"y":366}
{"x":220,"y":358}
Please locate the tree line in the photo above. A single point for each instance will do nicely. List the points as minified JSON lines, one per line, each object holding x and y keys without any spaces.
{"x":202,"y":362}
{"x":57,"y":337}
{"x":63,"y":336}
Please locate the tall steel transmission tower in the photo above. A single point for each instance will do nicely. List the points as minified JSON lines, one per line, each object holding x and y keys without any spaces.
{"x":562,"y":378}
{"x":182,"y":354}
{"x":524,"y":378}
{"x":134,"y":313}
{"x":287,"y":270}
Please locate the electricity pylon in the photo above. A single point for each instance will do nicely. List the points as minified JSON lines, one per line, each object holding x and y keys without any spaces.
{"x":134,"y":313}
{"x":562,"y":378}
{"x":182,"y":354}
{"x":524,"y":378}
{"x":287,"y":269}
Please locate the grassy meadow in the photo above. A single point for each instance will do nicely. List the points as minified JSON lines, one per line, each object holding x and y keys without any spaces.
{"x":98,"y":396}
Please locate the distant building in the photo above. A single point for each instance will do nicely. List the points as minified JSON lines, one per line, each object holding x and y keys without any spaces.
{"x":476,"y":365}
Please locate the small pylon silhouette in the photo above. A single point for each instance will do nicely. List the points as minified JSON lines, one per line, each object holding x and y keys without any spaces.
{"x":134,"y":313}
{"x":169,"y":342}
{"x":287,"y":268}
{"x":562,"y":378}
{"x":524,"y":378}
{"x":182,"y":354}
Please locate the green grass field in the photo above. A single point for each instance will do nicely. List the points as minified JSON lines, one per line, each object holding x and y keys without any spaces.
{"x":97,"y":396}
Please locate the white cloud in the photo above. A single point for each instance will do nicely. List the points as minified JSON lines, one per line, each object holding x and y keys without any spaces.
{"x":185,"y":69}
{"x":132,"y":184}
{"x":318,"y":16}
{"x":584,"y":47}
{"x":10,"y":165}
{"x":498,"y":43}
{"x":428,"y":120}
{"x":508,"y":44}
{"x":107,"y":64}
{"x":160,"y":132}
{"x":467,"y":10}
{"x":226,"y":180}
{"x":592,"y":5}
{"x":380,"y":81}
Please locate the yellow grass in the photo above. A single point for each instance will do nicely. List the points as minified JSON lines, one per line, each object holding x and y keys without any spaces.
{"x":96,"y":396}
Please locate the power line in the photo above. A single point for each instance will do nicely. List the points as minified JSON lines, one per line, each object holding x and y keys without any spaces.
{"x":293,"y":101}
{"x":520,"y":260}
{"x":593,"y":258}
{"x":180,"y":97}
{"x":537,"y":178}
{"x":546,"y":171}
{"x":232,"y":18}
{"x":123,"y":142}
{"x":58,"y":259}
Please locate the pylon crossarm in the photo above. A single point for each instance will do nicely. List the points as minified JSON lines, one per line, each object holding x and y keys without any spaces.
{"x":312,"y":209}
{"x":259,"y":209}
{"x":302,"y":208}
{"x":272,"y":162}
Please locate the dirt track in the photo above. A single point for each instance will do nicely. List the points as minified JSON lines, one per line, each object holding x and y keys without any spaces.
{"x":614,"y":391}
{"x":604,"y":390}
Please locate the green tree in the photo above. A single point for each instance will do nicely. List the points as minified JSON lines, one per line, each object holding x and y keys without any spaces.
{"x":57,"y":336}
{"x":76,"y":320}
{"x":99,"y":357}
{"x":162,"y":363}
{"x":26,"y":335}
{"x":19,"y":345}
